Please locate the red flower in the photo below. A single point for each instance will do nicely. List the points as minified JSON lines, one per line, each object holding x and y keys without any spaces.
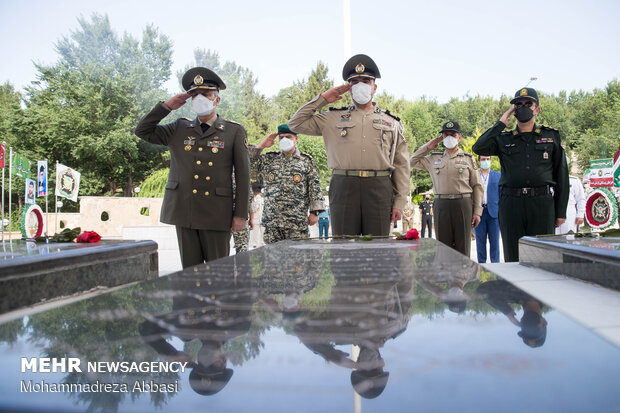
{"x":89,"y":236}
{"x":412,"y":234}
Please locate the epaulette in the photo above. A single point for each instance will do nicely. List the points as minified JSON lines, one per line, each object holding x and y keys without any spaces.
{"x":387,"y":112}
{"x":437,"y":153}
{"x":467,"y":153}
{"x":307,"y":155}
{"x":342,"y":108}
{"x":187,"y":119}
{"x":232,"y":121}
{"x":548,"y":128}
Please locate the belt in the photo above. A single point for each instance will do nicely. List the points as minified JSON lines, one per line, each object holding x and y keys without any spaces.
{"x":361,"y":174}
{"x":536,"y":191}
{"x":452,"y":196}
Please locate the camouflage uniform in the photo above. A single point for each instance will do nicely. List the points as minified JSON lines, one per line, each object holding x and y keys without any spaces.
{"x":292,"y":188}
{"x":241,"y":238}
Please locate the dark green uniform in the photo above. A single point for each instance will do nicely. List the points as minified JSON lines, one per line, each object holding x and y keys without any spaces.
{"x":199,"y":194}
{"x":532,"y":164}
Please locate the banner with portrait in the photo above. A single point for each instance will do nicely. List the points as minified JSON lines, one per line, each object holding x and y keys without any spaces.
{"x":31,"y":192}
{"x":41,"y":178}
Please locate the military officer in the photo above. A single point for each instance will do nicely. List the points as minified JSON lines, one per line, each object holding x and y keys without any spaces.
{"x":532,"y":161}
{"x":426,"y":211}
{"x":292,"y":187}
{"x":365,"y":149}
{"x":457,"y":186}
{"x":203,"y":151}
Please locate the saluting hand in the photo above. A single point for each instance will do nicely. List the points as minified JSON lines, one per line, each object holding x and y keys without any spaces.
{"x":268,"y":141}
{"x":177,"y":101}
{"x":505,"y":119}
{"x":335,"y":93}
{"x":434,"y":143}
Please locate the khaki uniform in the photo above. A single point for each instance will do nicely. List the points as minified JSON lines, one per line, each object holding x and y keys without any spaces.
{"x":355,"y":141}
{"x":408,"y":216}
{"x":199,"y":194}
{"x":454,"y":175}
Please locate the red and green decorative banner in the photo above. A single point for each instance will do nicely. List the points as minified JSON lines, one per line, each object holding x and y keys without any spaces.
{"x":21,"y":166}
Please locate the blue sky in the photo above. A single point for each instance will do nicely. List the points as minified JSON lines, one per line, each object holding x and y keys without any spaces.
{"x":437,"y":49}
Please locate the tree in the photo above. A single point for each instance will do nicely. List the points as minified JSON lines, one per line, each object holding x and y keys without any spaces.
{"x":81,"y":110}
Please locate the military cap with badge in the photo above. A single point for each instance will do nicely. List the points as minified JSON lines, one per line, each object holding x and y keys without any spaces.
{"x":523,"y":101}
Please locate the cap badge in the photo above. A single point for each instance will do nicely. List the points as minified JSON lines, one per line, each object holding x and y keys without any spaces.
{"x":360,"y":68}
{"x":523,"y":92}
{"x":449,"y":125}
{"x":198,"y":80}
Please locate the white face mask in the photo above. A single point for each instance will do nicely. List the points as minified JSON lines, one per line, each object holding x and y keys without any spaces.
{"x":286,"y":144}
{"x":202,"y":105}
{"x":450,"y":142}
{"x":485,"y":164}
{"x":361,"y":92}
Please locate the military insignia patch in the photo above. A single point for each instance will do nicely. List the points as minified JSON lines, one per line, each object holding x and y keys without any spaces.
{"x":345,"y":117}
{"x":220,"y":127}
{"x":359,"y":68}
{"x":545,"y":155}
{"x":297,"y":178}
{"x":189,"y":141}
{"x":188,"y":147}
{"x":449,"y":125}
{"x":382,"y":122}
{"x":214,"y":150}
{"x":216,"y":144}
{"x":460,"y":170}
{"x":343,"y":132}
{"x":271,"y":176}
{"x":523,"y":92}
{"x":544,"y":140}
{"x":198,"y":80}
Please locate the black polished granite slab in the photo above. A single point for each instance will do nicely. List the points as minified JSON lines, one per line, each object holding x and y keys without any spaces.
{"x":316,"y":326}
{"x":596,"y":260}
{"x":33,"y":272}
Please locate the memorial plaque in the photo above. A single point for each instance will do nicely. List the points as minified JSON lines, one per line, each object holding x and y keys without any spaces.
{"x":311,"y":326}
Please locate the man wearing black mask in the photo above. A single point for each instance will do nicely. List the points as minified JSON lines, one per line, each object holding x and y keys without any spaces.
{"x":532,"y":161}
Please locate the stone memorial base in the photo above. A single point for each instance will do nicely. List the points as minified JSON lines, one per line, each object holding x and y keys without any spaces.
{"x":596,"y":260}
{"x":33,"y":272}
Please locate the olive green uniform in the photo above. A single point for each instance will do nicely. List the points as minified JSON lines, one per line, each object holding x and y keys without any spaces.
{"x":368,"y":153}
{"x":458,"y":194}
{"x":199,"y":197}
{"x":292,"y":189}
{"x":532,"y":163}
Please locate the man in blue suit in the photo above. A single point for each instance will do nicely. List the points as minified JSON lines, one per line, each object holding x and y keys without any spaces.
{"x":489,"y":225}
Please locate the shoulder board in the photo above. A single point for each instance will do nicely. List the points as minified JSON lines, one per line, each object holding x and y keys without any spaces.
{"x":468,"y":154}
{"x":342,"y":108}
{"x":232,"y":121}
{"x":387,"y":112}
{"x":187,"y":119}
{"x":307,"y":155}
{"x":437,"y":153}
{"x":272,"y":153}
{"x":548,"y":128}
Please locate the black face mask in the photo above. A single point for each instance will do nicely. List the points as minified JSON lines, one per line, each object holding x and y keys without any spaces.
{"x":524,"y":114}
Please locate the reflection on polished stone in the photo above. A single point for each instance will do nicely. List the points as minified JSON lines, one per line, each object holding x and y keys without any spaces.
{"x":31,"y":272}
{"x":595,"y":260}
{"x":316,"y":326}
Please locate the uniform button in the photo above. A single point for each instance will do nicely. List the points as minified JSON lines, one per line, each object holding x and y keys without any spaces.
{"x":207,"y":193}
{"x":527,"y":167}
{"x":200,"y":149}
{"x":195,"y":191}
{"x":208,"y":178}
{"x":198,"y":162}
{"x":210,"y":163}
{"x":196,"y":177}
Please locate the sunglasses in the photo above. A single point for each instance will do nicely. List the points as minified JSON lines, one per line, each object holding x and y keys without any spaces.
{"x":528,"y":103}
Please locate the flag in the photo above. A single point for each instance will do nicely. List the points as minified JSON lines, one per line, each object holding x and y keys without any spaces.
{"x":2,"y":156}
{"x":42,"y":178}
{"x":21,"y":166}
{"x":67,"y":182}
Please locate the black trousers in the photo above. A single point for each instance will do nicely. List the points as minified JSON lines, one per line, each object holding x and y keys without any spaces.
{"x":427,"y":221}
{"x":360,"y":205}
{"x":197,"y":246}
{"x":520,"y":216}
